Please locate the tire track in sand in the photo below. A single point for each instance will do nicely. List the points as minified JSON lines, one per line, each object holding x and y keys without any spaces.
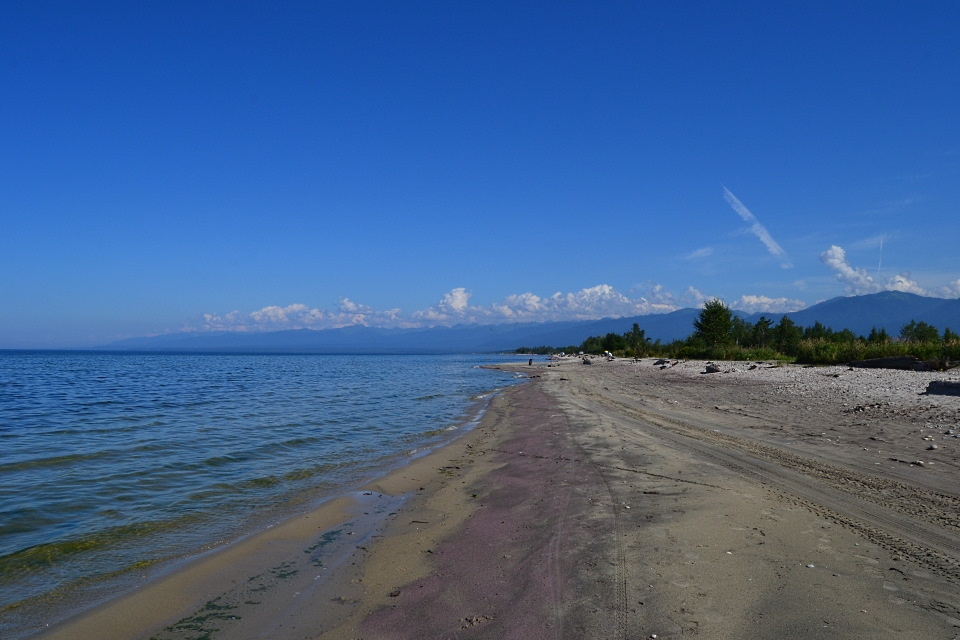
{"x":919,"y":524}
{"x":621,"y":568}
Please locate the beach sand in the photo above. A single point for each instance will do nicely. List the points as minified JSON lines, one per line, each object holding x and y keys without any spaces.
{"x":617,"y":500}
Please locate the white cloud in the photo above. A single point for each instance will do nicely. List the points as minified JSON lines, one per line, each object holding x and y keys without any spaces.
{"x":656,"y":294}
{"x":950,"y":290}
{"x":858,"y":282}
{"x":904,"y":283}
{"x":694,"y":297}
{"x":456,"y":301}
{"x":757,"y":229}
{"x":601,"y":301}
{"x":699,"y":254}
{"x":756,"y":304}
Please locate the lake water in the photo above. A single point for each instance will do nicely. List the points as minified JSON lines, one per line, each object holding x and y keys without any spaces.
{"x":117,"y":461}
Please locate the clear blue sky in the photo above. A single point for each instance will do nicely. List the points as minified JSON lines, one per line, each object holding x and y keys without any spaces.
{"x":169,"y":166}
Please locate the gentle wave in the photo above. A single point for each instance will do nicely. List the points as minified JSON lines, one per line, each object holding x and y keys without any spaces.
{"x":112,"y":462}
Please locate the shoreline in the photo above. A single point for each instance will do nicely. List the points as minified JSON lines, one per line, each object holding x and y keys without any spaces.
{"x":621,"y":500}
{"x":625,"y":501}
{"x":200,"y":591}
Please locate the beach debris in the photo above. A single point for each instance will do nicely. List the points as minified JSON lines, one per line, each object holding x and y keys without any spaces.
{"x":810,"y":566}
{"x":472,"y":621}
{"x":860,"y":408}
{"x":711,"y":368}
{"x":906,"y":363}
{"x":943,"y":388}
{"x":395,"y":593}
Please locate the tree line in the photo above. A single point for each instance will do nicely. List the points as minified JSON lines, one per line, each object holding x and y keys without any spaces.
{"x":720,"y":335}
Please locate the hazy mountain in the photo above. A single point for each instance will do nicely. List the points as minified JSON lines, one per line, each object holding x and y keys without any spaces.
{"x":889,"y":310}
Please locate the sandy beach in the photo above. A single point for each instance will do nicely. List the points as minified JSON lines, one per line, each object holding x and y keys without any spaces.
{"x":616,"y":500}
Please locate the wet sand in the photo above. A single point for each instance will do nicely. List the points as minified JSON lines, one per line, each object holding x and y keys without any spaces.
{"x":618,"y":500}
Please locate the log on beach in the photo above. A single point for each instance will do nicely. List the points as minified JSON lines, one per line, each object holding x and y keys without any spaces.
{"x":905,"y":363}
{"x":944,"y":388}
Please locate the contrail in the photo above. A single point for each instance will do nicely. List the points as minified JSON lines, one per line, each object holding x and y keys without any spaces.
{"x":757,"y":229}
{"x":881,"y":258}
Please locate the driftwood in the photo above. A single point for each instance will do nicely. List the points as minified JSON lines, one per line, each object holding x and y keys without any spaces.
{"x":943,"y":388}
{"x":907,"y":363}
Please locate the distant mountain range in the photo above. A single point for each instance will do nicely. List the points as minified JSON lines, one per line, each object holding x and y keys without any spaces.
{"x":888,"y":310}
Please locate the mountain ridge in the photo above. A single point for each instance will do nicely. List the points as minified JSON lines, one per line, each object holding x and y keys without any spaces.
{"x":888,"y":310}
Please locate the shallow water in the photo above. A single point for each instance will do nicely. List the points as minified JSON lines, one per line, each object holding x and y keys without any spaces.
{"x":116,"y":461}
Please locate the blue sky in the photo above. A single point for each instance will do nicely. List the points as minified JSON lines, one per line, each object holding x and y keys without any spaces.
{"x":250,"y":165}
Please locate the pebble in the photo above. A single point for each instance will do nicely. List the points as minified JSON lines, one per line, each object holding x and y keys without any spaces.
{"x":809,"y":566}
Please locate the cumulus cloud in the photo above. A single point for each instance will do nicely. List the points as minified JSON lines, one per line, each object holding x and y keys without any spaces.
{"x":857,"y":281}
{"x":950,"y":290}
{"x":456,"y":300}
{"x":656,"y":294}
{"x":695,"y":297}
{"x":904,"y":283}
{"x":757,"y":229}
{"x":294,"y":316}
{"x":454,"y":307}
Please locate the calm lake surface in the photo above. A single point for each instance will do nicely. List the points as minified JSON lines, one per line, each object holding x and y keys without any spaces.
{"x":111,"y":462}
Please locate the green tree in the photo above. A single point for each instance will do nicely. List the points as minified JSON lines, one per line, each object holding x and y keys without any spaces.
{"x":950,"y":336}
{"x":817,"y":332}
{"x":878,"y":337}
{"x":637,"y":340}
{"x":613,"y":342}
{"x":915,"y":331}
{"x":845,"y":336}
{"x":761,"y":332}
{"x":787,"y":336}
{"x":741,"y":331}
{"x":714,"y":323}
{"x":591,"y":345}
